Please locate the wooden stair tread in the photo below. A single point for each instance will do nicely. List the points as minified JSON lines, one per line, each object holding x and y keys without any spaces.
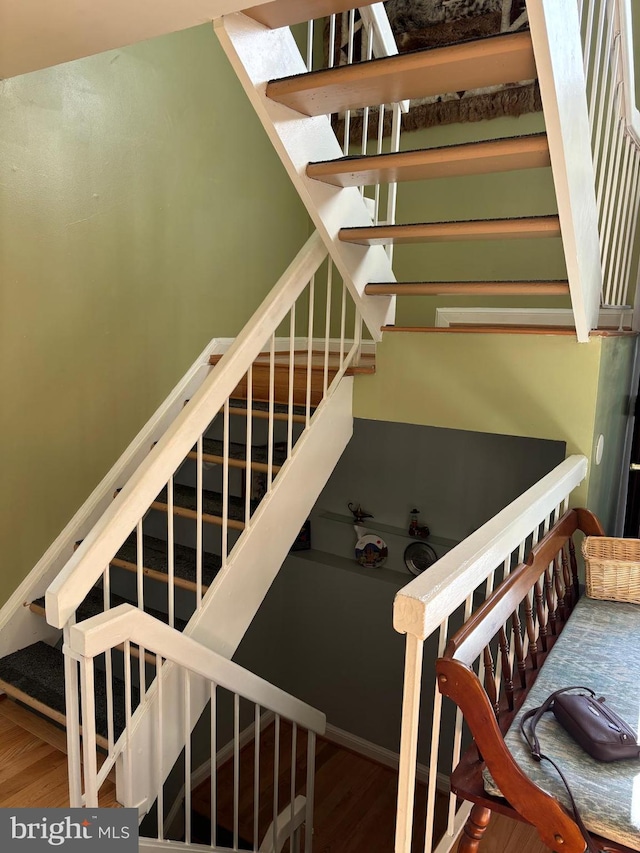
{"x":470,"y":158}
{"x":155,"y":561}
{"x":526,"y":227}
{"x":261,"y":375}
{"x":285,"y":13}
{"x":185,"y":504}
{"x":213,"y":450}
{"x":468,"y":288}
{"x":419,"y":74}
{"x":488,"y":329}
{"x":35,"y":676}
{"x":300,"y":362}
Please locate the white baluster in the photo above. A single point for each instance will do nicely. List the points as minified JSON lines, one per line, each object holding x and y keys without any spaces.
{"x":310,"y":351}
{"x":170,"y":555}
{"x":249,"y":440}
{"x":199,"y":520}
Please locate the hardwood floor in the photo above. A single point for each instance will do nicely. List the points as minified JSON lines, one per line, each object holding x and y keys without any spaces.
{"x":355,"y":802}
{"x":510,"y":836}
{"x":33,"y":765}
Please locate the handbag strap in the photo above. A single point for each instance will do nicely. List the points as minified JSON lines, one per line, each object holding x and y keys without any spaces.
{"x":534,"y":745}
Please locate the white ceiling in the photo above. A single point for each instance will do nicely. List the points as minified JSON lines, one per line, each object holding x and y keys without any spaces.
{"x":39,"y":33}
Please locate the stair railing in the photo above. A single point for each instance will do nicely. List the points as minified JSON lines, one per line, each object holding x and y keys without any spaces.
{"x":607,"y":43}
{"x":303,"y":327}
{"x":254,"y":738}
{"x":424,"y":610}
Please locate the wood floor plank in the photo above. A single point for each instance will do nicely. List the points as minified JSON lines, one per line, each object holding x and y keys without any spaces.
{"x":13,"y":714}
{"x":510,"y":836}
{"x":34,"y":772}
{"x":355,"y":798}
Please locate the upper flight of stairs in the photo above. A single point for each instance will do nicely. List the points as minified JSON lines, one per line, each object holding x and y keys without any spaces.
{"x":496,"y":60}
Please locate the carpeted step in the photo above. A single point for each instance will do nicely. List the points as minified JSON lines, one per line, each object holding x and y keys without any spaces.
{"x":213,"y":451}
{"x":154,"y":552}
{"x":94,"y":604}
{"x":36,"y":673}
{"x":259,"y":453}
{"x":262,"y":406}
{"x":185,"y":504}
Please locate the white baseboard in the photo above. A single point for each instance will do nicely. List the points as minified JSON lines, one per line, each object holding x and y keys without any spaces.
{"x":380,"y":754}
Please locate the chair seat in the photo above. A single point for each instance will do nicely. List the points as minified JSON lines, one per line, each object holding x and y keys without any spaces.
{"x":598,"y":648}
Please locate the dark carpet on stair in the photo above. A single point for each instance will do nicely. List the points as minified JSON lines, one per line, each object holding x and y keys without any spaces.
{"x":261,"y":406}
{"x":154,"y":556}
{"x":186,"y":497}
{"x":259,"y":453}
{"x":94,"y":604}
{"x":38,"y":671}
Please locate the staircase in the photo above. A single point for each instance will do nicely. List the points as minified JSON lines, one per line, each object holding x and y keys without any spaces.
{"x":235,"y":462}
{"x":195,"y":536}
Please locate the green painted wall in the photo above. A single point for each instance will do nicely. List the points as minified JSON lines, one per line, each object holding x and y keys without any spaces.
{"x":538,"y":386}
{"x":142,"y":212}
{"x":510,"y":194}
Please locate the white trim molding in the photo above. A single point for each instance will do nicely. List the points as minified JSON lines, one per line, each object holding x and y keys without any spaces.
{"x":380,"y":754}
{"x":608,"y":318}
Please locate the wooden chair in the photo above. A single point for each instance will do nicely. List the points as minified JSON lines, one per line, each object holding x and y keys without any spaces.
{"x":537,"y":599}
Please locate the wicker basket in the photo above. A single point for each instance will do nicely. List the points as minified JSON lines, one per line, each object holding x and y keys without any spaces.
{"x":612,"y":568}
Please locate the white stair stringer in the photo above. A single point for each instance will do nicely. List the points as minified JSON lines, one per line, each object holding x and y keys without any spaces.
{"x":258,"y":55}
{"x":240,"y":587}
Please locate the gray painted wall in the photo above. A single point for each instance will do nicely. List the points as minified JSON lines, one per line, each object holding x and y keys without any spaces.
{"x":325,"y":630}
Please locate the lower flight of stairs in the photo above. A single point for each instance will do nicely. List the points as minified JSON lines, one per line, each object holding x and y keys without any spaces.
{"x":34,"y":676}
